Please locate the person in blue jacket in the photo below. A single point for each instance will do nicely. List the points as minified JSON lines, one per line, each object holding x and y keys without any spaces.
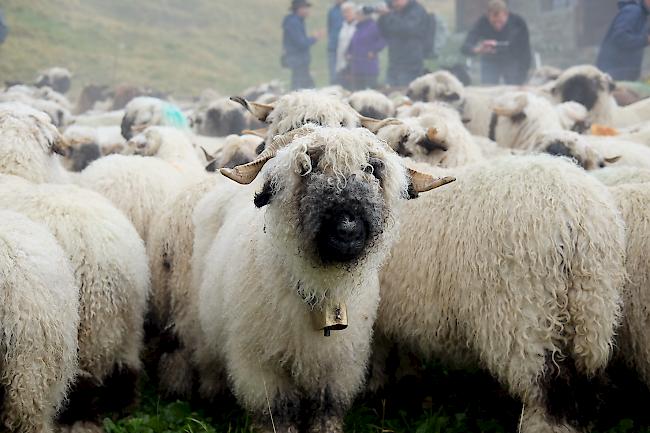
{"x":334,"y":26}
{"x":621,"y":53}
{"x":297,"y":45}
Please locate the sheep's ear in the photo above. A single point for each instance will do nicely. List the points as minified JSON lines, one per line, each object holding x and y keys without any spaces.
{"x":262,"y":132}
{"x":375,"y":125}
{"x":613,"y":159}
{"x":259,"y":111}
{"x":422,"y":182}
{"x":512,"y":110}
{"x":61,"y":146}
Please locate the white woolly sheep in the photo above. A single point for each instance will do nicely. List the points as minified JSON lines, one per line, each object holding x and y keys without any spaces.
{"x":111,"y":274}
{"x":330,"y":203}
{"x":633,"y":341}
{"x":56,"y":78}
{"x":97,"y":119}
{"x":235,"y":150}
{"x":303,"y":107}
{"x":517,"y":268}
{"x":39,"y":316}
{"x":574,"y":146}
{"x":593,"y":88}
{"x":626,"y":153}
{"x":86,"y":144}
{"x":373,"y":104}
{"x":437,"y":138}
{"x":146,"y":111}
{"x":174,"y":304}
{"x":37,"y":99}
{"x":29,"y":144}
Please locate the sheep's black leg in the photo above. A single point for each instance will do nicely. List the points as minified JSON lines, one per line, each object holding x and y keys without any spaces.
{"x":287,"y":414}
{"x":324,"y":414}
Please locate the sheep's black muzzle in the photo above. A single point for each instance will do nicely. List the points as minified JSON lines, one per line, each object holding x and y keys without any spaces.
{"x":342,"y":237}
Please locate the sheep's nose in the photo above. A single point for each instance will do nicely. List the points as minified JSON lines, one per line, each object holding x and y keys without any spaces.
{"x":342,"y":237}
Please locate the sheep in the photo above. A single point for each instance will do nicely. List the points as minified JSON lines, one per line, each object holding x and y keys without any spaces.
{"x":633,"y":341}
{"x":594,"y":89}
{"x":272,"y":87}
{"x":173,"y":306}
{"x":330,"y":200}
{"x":626,"y":153}
{"x":437,"y":138}
{"x":112,"y":278}
{"x":109,"y":262}
{"x":574,"y":146}
{"x":37,"y":99}
{"x":220,"y":118}
{"x":146,"y":111}
{"x":303,"y":107}
{"x":40,"y":317}
{"x":29,"y":145}
{"x":373,"y":104}
{"x":473,"y":106}
{"x":165,"y":162}
{"x":235,"y":150}
{"x":88,"y":144}
{"x":517,"y":268}
{"x":98,"y":119}
{"x":58,"y":79}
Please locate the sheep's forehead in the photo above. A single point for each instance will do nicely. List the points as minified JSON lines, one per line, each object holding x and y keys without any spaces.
{"x":350,"y":149}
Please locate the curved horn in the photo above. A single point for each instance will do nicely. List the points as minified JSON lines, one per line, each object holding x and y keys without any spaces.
{"x":260,"y":111}
{"x":256,"y":132}
{"x":245,"y":174}
{"x":207,"y":156}
{"x":421,"y":182}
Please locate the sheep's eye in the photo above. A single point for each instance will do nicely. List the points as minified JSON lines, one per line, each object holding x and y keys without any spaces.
{"x":401,"y":147}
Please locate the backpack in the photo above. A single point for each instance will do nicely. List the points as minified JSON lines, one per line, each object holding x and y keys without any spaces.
{"x":429,"y":36}
{"x":4,"y":30}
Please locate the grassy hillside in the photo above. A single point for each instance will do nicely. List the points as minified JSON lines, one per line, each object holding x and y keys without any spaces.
{"x":178,"y":46}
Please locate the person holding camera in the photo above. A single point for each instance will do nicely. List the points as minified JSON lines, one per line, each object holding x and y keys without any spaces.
{"x":502,"y":40}
{"x":622,"y":50}
{"x":403,"y":25}
{"x":297,"y":45}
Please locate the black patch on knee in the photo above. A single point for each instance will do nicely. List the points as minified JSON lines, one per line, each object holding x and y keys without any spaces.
{"x":518,"y":118}
{"x":371,"y":112}
{"x":318,"y":410}
{"x":494,"y":122}
{"x":581,"y":89}
{"x":569,"y":395}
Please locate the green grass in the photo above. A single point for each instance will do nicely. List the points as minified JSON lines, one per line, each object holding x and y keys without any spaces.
{"x":442,"y":401}
{"x":176,"y":46}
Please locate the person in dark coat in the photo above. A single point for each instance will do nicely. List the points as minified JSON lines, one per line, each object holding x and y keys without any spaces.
{"x":502,"y":40}
{"x":334,"y":25}
{"x":297,"y":45}
{"x":403,"y":27}
{"x":363,"y":53}
{"x":621,"y":53}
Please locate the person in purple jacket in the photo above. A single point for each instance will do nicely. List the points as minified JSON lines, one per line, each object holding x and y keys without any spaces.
{"x":363,"y":53}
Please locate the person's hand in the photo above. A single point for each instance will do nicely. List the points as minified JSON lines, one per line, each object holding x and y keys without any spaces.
{"x":371,"y":55}
{"x":486,"y":47}
{"x":318,"y":35}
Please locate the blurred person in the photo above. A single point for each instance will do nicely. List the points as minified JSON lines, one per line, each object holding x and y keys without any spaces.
{"x":4,"y":30}
{"x":403,"y":25}
{"x":297,"y":45}
{"x":349,"y":11}
{"x":502,"y":40}
{"x":363,"y":53}
{"x":334,"y":25}
{"x":621,"y":53}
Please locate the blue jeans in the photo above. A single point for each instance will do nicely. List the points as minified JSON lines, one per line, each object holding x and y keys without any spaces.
{"x":492,"y":72}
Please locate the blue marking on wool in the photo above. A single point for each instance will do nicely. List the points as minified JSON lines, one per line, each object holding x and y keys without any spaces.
{"x":173,"y":116}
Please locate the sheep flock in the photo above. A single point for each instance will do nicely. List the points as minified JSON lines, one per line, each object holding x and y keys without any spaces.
{"x":298,"y":251}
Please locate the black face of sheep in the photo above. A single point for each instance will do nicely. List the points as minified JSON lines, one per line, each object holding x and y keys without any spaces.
{"x":219,"y":123}
{"x":581,"y":89}
{"x":422,"y":96}
{"x":372,"y":113}
{"x":558,"y":148}
{"x":58,"y":84}
{"x":127,"y":127}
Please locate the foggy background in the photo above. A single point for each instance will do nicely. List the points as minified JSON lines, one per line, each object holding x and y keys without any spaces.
{"x":185,"y":46}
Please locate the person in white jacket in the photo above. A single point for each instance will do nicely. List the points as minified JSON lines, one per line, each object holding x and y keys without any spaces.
{"x":350,"y":15}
